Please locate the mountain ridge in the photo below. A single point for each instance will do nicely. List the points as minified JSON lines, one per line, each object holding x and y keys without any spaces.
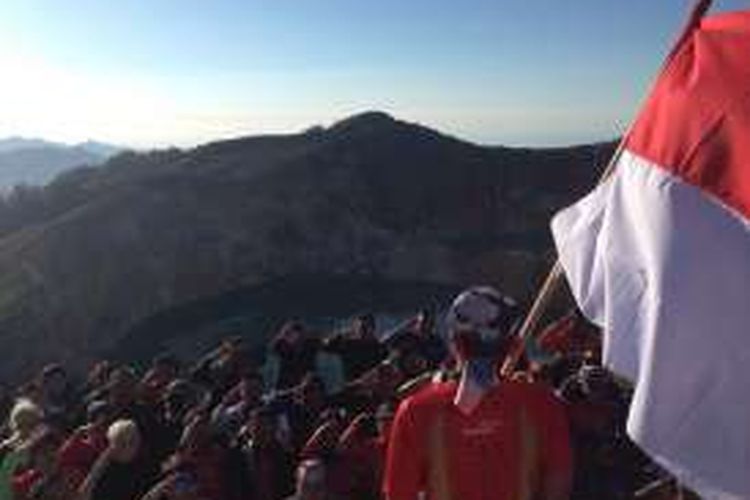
{"x":99,"y":250}
{"x":35,"y":162}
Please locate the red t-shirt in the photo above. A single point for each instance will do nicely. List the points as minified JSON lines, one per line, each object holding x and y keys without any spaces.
{"x":23,"y":482}
{"x":76,"y":456}
{"x":514,"y":445}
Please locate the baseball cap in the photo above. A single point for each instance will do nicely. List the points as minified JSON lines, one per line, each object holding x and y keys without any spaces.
{"x":485,"y":312}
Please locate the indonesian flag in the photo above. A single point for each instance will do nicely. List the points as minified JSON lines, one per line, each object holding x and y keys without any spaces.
{"x":659,"y":257}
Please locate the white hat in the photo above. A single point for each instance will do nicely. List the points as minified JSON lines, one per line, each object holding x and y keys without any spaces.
{"x":484,"y":311}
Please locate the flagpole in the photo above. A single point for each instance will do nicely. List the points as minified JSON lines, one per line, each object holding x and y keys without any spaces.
{"x":552,"y":282}
{"x":549,"y":288}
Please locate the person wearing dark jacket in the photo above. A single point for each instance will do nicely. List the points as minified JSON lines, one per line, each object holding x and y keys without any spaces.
{"x":358,"y":348}
{"x":296,"y":351}
{"x":268,"y":466}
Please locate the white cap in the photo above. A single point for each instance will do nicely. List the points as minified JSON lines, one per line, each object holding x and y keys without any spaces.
{"x":484,"y":311}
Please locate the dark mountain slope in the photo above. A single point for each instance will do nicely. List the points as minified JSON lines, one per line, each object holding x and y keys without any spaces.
{"x":100,"y":250}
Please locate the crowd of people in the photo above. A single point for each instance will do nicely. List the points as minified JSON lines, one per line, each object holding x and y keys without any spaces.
{"x":356,"y":415}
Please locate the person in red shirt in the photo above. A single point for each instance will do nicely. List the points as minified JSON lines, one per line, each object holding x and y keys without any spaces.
{"x":571,"y":336}
{"x":481,"y":438}
{"x":78,"y":453}
{"x":362,"y":448}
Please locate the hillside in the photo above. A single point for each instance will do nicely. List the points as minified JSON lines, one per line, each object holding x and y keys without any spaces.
{"x":98,"y":252}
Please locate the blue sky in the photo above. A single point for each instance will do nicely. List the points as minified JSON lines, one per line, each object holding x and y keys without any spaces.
{"x":157,"y":72}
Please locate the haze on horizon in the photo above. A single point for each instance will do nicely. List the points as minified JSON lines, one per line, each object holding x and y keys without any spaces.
{"x":148,"y":74}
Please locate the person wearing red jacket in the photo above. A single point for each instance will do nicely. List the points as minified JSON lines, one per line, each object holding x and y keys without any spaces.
{"x":480,"y":438}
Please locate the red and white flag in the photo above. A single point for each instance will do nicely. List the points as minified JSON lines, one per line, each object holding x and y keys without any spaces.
{"x":659,"y":256}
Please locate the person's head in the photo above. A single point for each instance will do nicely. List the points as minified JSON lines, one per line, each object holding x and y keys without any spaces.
{"x":165,"y":366}
{"x":53,"y":380}
{"x":25,"y":417}
{"x":99,"y":414}
{"x":124,"y":440}
{"x":99,"y":374}
{"x":251,"y":387}
{"x":122,"y":386}
{"x":413,"y":363}
{"x":425,"y":322}
{"x":293,"y":331}
{"x":364,"y":326}
{"x":311,"y":480}
{"x":311,"y":391}
{"x":262,"y":427}
{"x":30,"y":390}
{"x":481,"y":323}
{"x":390,"y":376}
{"x":178,"y":397}
{"x":597,"y":383}
{"x":231,"y":347}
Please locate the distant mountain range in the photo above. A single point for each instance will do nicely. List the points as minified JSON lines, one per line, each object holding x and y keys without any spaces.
{"x":90,"y":263}
{"x":35,"y":161}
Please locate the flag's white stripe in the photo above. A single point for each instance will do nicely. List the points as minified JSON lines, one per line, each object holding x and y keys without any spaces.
{"x":665,"y":270}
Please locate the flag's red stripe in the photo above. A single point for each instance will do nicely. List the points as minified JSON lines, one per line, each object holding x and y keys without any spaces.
{"x":696,"y":123}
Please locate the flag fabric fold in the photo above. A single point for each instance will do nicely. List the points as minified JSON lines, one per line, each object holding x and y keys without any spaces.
{"x":659,"y":257}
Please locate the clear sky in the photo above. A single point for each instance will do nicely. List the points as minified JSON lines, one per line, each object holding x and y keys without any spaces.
{"x":156,"y":72}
